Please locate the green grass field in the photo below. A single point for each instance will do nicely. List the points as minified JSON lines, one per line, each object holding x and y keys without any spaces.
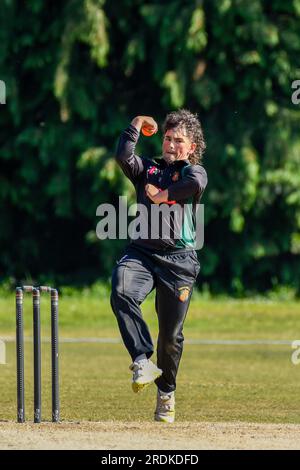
{"x":256,"y":383}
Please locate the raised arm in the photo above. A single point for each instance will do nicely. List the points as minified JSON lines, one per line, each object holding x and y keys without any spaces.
{"x":131,"y":164}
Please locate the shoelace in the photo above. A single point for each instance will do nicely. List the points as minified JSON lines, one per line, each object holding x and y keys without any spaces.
{"x":162,"y":405}
{"x":137,"y":367}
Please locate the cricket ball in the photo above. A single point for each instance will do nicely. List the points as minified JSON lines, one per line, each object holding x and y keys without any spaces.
{"x":146,"y":131}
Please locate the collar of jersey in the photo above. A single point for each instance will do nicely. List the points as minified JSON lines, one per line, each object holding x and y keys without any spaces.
{"x":177,"y":164}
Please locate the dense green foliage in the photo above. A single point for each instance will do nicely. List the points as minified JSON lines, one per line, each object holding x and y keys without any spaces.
{"x":78,"y":71}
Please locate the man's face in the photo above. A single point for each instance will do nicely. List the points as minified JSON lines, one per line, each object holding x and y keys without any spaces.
{"x":177,"y":145}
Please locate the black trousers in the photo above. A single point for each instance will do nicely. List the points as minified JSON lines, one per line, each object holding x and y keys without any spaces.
{"x":173,"y":275}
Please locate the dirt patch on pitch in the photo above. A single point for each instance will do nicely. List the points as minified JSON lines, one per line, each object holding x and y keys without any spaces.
{"x":121,"y":436}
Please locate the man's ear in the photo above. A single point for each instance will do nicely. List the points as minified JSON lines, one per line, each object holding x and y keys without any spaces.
{"x":193,"y":147}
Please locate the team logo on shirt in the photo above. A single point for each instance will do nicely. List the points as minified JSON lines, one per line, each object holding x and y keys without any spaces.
{"x":184,"y":293}
{"x":153,"y":170}
{"x":175,"y":176}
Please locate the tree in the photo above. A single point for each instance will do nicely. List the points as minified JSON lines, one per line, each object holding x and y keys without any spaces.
{"x":76,"y":73}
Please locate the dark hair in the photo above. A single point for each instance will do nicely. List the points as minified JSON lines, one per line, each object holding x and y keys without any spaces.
{"x":191,"y":123}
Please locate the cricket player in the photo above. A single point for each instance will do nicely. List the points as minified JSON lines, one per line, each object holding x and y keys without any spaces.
{"x":169,"y":263}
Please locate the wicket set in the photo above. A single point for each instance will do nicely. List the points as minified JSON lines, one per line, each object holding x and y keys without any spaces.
{"x":36,"y":292}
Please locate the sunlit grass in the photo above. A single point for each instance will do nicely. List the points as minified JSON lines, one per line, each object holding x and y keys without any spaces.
{"x":82,"y":315}
{"x":215,"y":383}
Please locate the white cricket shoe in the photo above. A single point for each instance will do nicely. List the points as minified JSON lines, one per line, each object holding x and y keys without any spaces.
{"x":165,"y":407}
{"x":144,"y":374}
